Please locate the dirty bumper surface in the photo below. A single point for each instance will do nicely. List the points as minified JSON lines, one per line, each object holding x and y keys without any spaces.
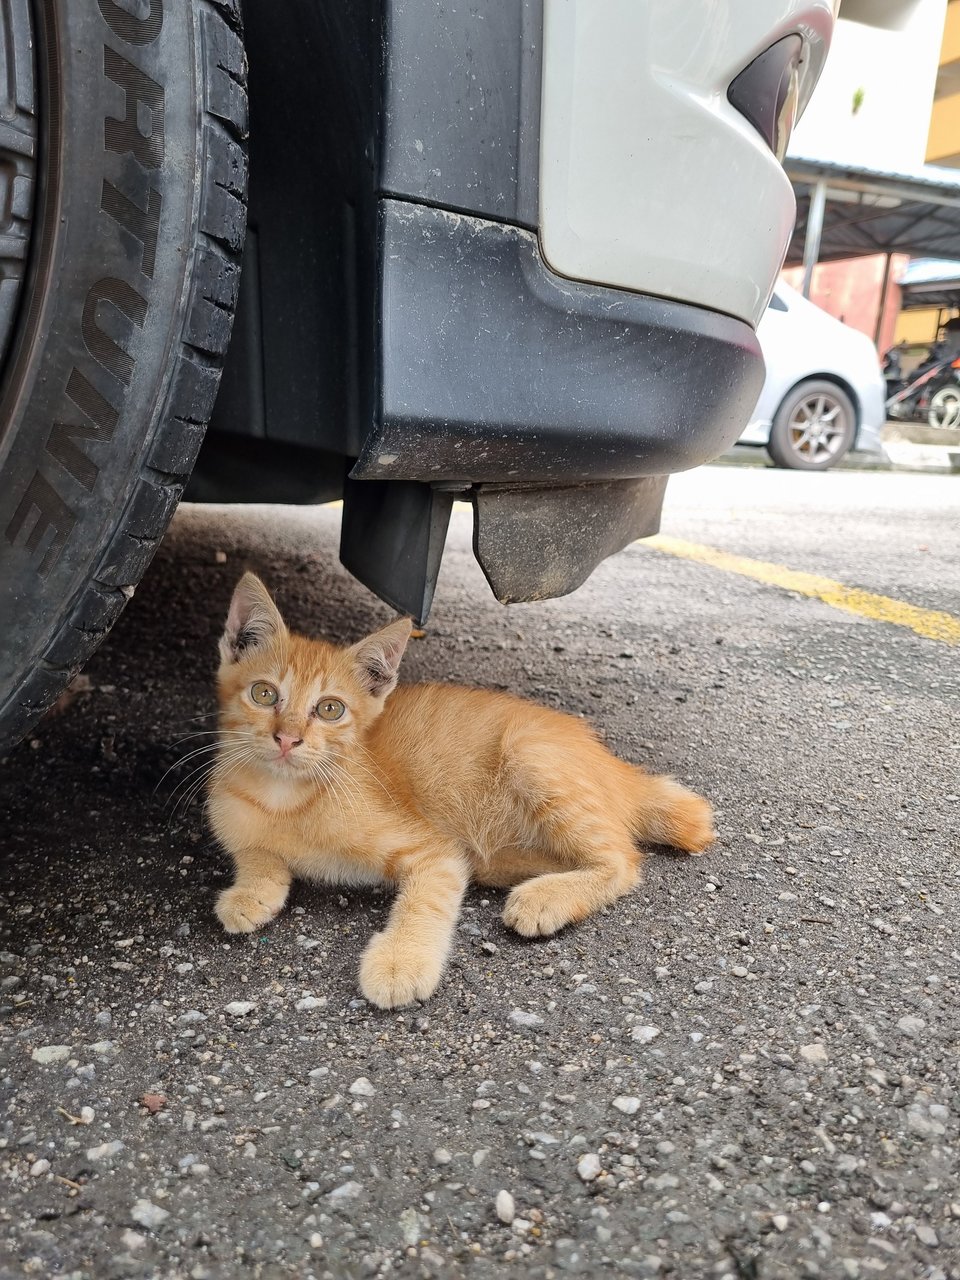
{"x":745,"y":1069}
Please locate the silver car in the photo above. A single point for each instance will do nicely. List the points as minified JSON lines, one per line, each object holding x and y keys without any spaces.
{"x":823,"y":393}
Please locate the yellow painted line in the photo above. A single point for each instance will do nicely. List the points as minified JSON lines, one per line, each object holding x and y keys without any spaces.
{"x":929,"y":623}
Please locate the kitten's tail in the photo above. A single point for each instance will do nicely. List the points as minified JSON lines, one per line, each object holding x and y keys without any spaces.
{"x":663,"y":812}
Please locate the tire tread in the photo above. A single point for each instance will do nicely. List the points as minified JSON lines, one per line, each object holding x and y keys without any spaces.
{"x":206,"y":325}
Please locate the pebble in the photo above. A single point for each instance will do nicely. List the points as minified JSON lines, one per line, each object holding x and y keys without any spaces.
{"x":628,"y":1105}
{"x":239,"y":1008}
{"x":147,"y":1214}
{"x":105,"y":1151}
{"x":925,"y":1234}
{"x":442,"y":1156}
{"x":588,"y":1167}
{"x":362,"y":1088}
{"x":38,"y":1167}
{"x":505,"y":1207}
{"x":703,"y":988}
{"x":910,"y":1025}
{"x":665,"y":1182}
{"x":310,"y":1002}
{"x":523,"y":1018}
{"x":51,"y":1053}
{"x":346,"y":1191}
{"x":410,"y":1227}
{"x":643,"y":1035}
{"x":815,"y":1053}
{"x":780,"y":1221}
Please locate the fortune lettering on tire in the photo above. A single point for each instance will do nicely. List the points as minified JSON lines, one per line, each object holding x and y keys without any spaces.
{"x":121,"y":326}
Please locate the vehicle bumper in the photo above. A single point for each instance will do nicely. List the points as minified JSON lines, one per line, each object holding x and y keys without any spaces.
{"x":495,"y":370}
{"x":650,"y":178}
{"x":873,"y":417}
{"x":559,"y":408}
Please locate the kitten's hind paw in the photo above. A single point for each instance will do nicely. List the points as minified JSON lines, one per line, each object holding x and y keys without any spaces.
{"x":539,"y":907}
{"x":394,"y":973}
{"x":243,"y":910}
{"x":692,"y":826}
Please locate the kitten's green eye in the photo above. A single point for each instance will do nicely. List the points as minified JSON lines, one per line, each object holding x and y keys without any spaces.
{"x":330,"y":709}
{"x":263,"y":694}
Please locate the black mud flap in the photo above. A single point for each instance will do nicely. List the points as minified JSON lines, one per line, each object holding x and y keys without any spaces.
{"x":537,"y":543}
{"x":532,"y":542}
{"x":392,"y":537}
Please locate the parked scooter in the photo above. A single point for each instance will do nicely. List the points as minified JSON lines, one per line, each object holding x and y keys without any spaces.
{"x":931,"y":393}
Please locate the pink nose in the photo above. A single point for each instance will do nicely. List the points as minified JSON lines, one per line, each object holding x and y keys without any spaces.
{"x":286,"y":742}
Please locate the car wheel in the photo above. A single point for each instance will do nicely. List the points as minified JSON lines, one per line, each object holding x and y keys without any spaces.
{"x":813,"y":428}
{"x":125,"y":178}
{"x":944,"y":410}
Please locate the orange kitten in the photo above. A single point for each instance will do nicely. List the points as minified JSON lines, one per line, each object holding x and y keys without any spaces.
{"x":326,"y":770}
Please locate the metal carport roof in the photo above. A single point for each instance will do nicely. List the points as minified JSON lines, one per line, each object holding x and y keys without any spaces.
{"x":845,"y":211}
{"x":930,"y":282}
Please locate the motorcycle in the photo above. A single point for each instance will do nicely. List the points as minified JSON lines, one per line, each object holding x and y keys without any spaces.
{"x":931,"y":393}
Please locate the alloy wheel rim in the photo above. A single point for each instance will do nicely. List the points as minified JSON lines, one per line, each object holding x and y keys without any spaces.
{"x":817,"y":428}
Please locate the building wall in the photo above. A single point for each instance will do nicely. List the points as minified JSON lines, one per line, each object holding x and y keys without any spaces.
{"x":920,"y":325}
{"x":872,"y":105}
{"x":943,"y":140}
{"x":943,"y":148}
{"x":859,"y":291}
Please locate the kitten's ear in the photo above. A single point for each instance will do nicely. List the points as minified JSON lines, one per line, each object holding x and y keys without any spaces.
{"x":253,"y":621}
{"x":378,"y":657}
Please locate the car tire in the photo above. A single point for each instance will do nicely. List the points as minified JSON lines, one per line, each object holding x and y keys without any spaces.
{"x":824,"y":408}
{"x":126,"y":185}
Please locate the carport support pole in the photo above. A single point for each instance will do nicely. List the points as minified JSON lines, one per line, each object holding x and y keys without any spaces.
{"x":811,"y":244}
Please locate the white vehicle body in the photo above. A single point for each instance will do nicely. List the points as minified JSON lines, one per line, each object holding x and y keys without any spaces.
{"x":801,"y":341}
{"x":650,"y":178}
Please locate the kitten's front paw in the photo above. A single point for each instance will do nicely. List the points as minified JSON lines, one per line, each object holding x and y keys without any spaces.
{"x":393,"y":973}
{"x":242,"y":910}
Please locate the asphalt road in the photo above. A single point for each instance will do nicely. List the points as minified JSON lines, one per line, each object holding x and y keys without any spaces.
{"x":759,"y":1047}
